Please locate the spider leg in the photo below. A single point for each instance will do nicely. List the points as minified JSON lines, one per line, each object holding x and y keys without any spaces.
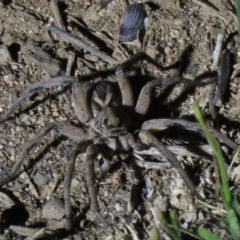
{"x":145,"y":96}
{"x":64,"y":129}
{"x":67,"y":186}
{"x":125,"y":88}
{"x":79,"y":102}
{"x":124,"y":85}
{"x":35,"y":88}
{"x":148,"y":139}
{"x":139,"y":57}
{"x":161,"y":124}
{"x":91,"y":155}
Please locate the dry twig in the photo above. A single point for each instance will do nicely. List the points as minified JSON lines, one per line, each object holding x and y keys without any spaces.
{"x":79,"y":43}
{"x":211,"y":8}
{"x":57,"y":15}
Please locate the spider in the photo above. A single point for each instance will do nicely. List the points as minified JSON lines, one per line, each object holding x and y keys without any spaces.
{"x":110,"y":126}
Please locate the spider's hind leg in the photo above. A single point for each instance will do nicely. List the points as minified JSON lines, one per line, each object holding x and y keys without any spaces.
{"x":92,"y":151}
{"x":148,"y":139}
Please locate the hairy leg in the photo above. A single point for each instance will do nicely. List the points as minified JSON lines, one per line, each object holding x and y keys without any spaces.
{"x":161,"y":124}
{"x":67,"y":185}
{"x":145,"y":96}
{"x":125,"y":86}
{"x":148,"y":139}
{"x":64,"y":129}
{"x":91,"y":155}
{"x":80,"y":103}
{"x":65,"y":80}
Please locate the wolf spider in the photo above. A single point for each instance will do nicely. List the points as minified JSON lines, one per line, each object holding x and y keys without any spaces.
{"x":110,"y":125}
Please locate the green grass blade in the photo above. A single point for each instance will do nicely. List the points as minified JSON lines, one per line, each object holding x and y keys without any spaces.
{"x":172,"y":231}
{"x":174,"y":222}
{"x":236,"y":205}
{"x":233,"y":223}
{"x":217,"y":152}
{"x":155,"y":234}
{"x":224,"y":223}
{"x":207,"y":235}
{"x":187,"y":232}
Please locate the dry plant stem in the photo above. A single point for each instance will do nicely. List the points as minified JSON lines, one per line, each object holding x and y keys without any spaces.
{"x":231,"y":11}
{"x":28,"y":232}
{"x":148,"y":139}
{"x":216,"y":55}
{"x":131,"y":229}
{"x":212,"y":207}
{"x":57,"y":15}
{"x":38,"y":233}
{"x":6,"y":200}
{"x":79,"y":43}
{"x":224,"y":77}
{"x":91,"y":155}
{"x":67,"y":187}
{"x":31,"y":185}
{"x":187,"y":150}
{"x":79,"y":103}
{"x":139,"y":57}
{"x":45,"y":60}
{"x":65,"y":80}
{"x":91,"y":66}
{"x":213,"y":10}
{"x":216,"y":58}
{"x":117,"y":47}
{"x":151,"y":165}
{"x":161,"y":124}
{"x":71,"y":58}
{"x":211,"y":105}
{"x":235,"y":159}
{"x":64,"y":129}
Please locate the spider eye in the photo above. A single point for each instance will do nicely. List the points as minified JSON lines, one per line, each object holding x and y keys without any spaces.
{"x":111,"y":126}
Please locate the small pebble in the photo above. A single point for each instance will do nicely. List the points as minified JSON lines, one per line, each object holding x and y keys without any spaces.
{"x":53,"y":105}
{"x":42,"y":178}
{"x":54,"y":209}
{"x":55,"y":114}
{"x":118,"y":207}
{"x":16,"y":194}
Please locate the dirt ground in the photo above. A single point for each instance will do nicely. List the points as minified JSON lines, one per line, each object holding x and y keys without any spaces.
{"x":183,"y":32}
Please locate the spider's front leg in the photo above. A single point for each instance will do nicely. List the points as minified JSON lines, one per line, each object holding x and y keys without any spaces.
{"x":65,"y":80}
{"x":145,"y":96}
{"x":124,"y":85}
